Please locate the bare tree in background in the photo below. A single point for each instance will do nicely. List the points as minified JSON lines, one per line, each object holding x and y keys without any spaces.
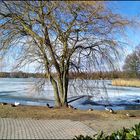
{"x":62,"y":37}
{"x":132,"y":63}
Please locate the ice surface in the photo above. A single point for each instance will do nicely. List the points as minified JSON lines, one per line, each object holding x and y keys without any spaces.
{"x":102,"y":92}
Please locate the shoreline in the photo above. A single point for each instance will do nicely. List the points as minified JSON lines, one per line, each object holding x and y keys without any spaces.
{"x":84,"y":106}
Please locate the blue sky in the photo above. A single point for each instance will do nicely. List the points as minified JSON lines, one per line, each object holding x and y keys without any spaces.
{"x":130,"y":10}
{"x":126,"y":8}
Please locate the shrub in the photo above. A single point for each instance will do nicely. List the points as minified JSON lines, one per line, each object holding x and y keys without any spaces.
{"x":125,"y":133}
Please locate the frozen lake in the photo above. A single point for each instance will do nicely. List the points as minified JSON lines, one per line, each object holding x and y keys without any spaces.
{"x":102,"y":92}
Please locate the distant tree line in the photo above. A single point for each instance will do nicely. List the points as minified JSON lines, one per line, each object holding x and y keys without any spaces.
{"x":20,"y":74}
{"x":72,"y":75}
{"x":103,"y":75}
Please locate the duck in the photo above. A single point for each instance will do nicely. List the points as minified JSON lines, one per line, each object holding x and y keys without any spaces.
{"x":109,"y":109}
{"x":130,"y":115}
{"x":49,"y":106}
{"x":15,"y":104}
{"x":90,"y":109}
{"x":70,"y":106}
{"x":3,"y":103}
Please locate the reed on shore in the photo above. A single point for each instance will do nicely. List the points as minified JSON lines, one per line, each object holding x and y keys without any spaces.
{"x":126,"y":82}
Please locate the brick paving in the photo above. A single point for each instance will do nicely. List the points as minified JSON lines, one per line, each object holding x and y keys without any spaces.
{"x":42,"y":129}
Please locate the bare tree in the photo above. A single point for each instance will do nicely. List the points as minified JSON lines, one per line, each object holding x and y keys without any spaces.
{"x":132,"y":63}
{"x":62,"y":37}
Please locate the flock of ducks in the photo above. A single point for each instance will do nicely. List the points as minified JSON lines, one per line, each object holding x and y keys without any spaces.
{"x":71,"y":107}
{"x":13,"y":105}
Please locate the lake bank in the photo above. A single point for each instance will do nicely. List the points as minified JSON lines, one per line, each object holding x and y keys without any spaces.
{"x":36,"y":112}
{"x":98,"y":120}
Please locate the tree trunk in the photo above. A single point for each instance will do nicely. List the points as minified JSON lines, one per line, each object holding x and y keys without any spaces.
{"x":65,"y":88}
{"x":61,"y":90}
{"x":56,"y":93}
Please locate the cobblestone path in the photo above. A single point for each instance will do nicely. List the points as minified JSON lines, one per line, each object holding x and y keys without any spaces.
{"x":42,"y":129}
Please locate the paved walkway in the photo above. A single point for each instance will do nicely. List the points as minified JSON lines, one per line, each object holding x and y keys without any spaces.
{"x":42,"y":129}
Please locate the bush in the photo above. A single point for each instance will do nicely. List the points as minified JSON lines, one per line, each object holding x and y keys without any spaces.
{"x":125,"y":133}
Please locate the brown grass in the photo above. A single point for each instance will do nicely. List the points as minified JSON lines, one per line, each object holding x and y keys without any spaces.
{"x":6,"y":111}
{"x":126,"y":82}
